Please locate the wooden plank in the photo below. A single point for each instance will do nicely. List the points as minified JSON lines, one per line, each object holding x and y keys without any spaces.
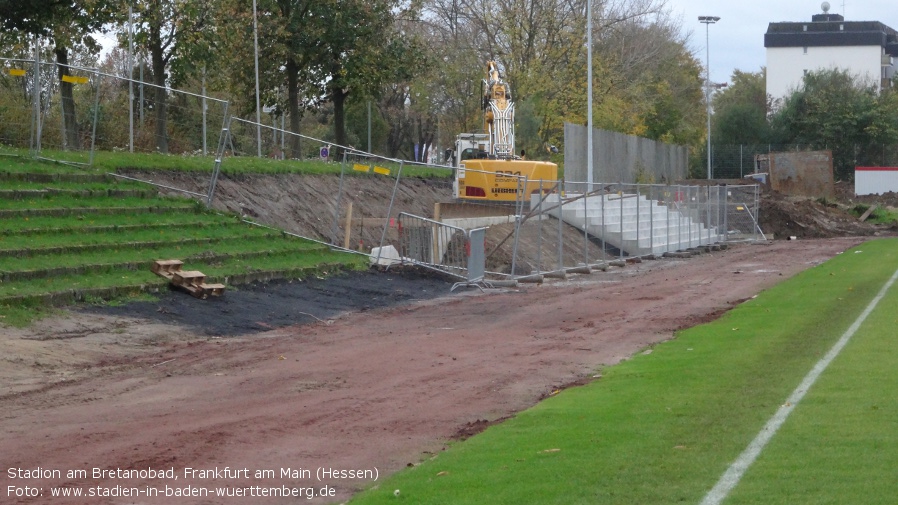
{"x":166,"y":268}
{"x":188,"y":277}
{"x":865,"y":215}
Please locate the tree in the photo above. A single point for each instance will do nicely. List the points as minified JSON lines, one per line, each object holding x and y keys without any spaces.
{"x":741,"y":110}
{"x":174,"y":33}
{"x":646,"y":80}
{"x":319,"y":50}
{"x":362,"y":50}
{"x":648,"y":83}
{"x":835,"y":110}
{"x":68,"y":23}
{"x":538,"y":45}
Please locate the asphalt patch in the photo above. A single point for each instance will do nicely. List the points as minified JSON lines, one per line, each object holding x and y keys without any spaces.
{"x":261,"y":307}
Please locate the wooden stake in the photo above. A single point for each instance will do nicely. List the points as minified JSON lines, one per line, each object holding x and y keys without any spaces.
{"x":347,"y":227}
{"x":867,"y":214}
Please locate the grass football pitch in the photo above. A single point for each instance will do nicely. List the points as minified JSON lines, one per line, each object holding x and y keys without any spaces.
{"x":663,"y":427}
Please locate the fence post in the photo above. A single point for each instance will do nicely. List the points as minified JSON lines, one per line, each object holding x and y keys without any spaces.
{"x":347,"y":229}
{"x":586,"y":226}
{"x":560,"y":234}
{"x":620,"y":194}
{"x":36,"y":96}
{"x":336,"y":222}
{"x":708,"y":212}
{"x":93,"y":132}
{"x":519,"y":210}
{"x":383,"y":234}
{"x":223,"y":141}
{"x":604,"y":231}
{"x":539,"y":230}
{"x":726,"y":217}
{"x":638,"y":220}
{"x":651,"y":219}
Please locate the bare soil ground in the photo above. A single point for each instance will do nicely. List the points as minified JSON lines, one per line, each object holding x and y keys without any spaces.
{"x":380,"y":388}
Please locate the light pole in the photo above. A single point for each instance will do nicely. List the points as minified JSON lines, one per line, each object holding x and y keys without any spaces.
{"x":589,"y":139}
{"x":258,"y":108}
{"x":708,"y":20}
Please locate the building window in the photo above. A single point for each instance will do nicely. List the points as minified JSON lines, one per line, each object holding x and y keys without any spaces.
{"x":804,"y":28}
{"x":841,"y":28}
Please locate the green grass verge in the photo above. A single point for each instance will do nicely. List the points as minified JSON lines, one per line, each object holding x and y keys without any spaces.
{"x":227,"y":267}
{"x":663,"y":426}
{"x":879,"y":215}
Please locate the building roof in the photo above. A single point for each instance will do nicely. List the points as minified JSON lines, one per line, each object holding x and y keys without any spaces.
{"x":832,"y":32}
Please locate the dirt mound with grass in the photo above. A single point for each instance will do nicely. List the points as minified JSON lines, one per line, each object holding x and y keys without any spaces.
{"x":786,"y":216}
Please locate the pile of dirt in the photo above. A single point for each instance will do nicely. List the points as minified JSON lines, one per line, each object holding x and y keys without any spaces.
{"x":802,"y":217}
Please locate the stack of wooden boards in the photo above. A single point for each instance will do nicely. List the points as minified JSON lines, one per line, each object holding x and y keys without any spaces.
{"x":192,"y":281}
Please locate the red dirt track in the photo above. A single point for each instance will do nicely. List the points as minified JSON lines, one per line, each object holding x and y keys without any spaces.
{"x":379,"y":389}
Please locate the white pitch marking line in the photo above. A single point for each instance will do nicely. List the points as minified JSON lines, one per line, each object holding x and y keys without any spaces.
{"x":734,"y":473}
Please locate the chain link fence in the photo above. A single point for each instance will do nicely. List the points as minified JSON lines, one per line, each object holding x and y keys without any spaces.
{"x":737,"y":161}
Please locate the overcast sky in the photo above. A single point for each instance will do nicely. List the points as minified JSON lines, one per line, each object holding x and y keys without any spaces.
{"x":737,"y":40}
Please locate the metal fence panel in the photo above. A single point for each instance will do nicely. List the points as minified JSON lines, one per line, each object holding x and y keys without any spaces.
{"x":435,"y":245}
{"x":100,"y":111}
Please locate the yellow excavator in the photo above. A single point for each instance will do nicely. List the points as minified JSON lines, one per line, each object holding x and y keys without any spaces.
{"x":487,"y":167}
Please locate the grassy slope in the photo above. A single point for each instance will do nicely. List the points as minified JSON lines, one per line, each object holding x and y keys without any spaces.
{"x":662,"y":427}
{"x":117,"y":247}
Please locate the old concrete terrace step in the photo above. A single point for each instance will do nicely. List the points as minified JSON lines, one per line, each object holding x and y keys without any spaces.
{"x":21,"y":194}
{"x":56,"y":177}
{"x":76,"y":211}
{"x":68,"y":296}
{"x":118,"y":228}
{"x":206,"y":258}
{"x":84,"y":248}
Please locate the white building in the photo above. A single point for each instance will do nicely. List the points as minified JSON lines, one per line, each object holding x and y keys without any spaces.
{"x":867,"y":49}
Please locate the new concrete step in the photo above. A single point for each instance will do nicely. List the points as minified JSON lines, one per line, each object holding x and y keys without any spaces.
{"x":633,"y":223}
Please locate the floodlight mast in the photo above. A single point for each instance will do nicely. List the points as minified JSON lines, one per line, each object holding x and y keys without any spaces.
{"x":708,"y":20}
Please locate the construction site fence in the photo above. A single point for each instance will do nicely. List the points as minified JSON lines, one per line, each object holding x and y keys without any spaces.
{"x":433,"y":244}
{"x":359,"y":223}
{"x":662,"y":219}
{"x":530,"y":240}
{"x":101,"y":112}
{"x":67,"y":113}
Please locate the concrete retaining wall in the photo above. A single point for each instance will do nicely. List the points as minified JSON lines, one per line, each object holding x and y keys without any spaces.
{"x":808,"y":173}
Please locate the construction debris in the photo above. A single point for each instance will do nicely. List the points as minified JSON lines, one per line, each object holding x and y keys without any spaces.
{"x":192,"y":281}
